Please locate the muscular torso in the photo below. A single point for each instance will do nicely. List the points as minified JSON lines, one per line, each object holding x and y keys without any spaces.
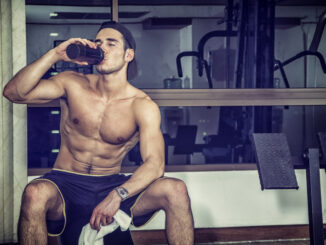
{"x":96,"y":132}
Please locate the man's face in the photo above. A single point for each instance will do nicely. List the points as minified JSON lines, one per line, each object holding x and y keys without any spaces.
{"x":115,"y":56}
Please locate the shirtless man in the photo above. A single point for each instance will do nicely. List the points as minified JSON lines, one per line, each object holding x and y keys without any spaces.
{"x":102,"y":117}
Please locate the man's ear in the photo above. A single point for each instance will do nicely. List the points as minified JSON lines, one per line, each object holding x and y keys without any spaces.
{"x":130,"y":54}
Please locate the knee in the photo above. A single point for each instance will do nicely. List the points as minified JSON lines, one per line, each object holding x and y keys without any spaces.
{"x":176,"y":192}
{"x":34,"y":196}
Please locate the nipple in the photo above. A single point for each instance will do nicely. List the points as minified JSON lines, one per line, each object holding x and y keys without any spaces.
{"x":75,"y":121}
{"x":120,"y":139}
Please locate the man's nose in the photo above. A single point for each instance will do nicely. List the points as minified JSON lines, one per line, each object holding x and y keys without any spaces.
{"x":100,"y":45}
{"x":105,"y":50}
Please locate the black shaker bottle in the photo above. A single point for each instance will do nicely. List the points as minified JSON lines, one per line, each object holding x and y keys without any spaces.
{"x":84,"y":53}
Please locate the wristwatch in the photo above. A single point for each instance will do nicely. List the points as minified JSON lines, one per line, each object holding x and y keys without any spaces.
{"x":122,"y":192}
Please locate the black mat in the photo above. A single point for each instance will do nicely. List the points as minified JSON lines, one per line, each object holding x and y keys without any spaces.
{"x":274,"y":161}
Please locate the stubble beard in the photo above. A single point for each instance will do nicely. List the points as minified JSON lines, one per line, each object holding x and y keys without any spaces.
{"x":103,"y":70}
{"x":108,"y":70}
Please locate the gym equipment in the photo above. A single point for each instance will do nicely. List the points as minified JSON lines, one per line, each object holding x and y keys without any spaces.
{"x":185,"y":139}
{"x":172,"y":83}
{"x":316,"y":230}
{"x":322,"y":142}
{"x":312,"y":51}
{"x":275,"y":146}
{"x":274,"y":163}
{"x":201,"y":62}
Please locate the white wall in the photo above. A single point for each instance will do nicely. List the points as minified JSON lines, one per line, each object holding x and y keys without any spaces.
{"x":235,"y":199}
{"x":157,"y":51}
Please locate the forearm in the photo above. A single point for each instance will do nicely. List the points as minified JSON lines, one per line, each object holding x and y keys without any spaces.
{"x":146,"y":174}
{"x":27,"y":78}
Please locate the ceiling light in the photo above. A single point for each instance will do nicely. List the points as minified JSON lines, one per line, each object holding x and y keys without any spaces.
{"x":54,"y":14}
{"x":54,"y":34}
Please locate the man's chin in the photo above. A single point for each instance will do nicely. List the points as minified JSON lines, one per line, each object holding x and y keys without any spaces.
{"x":102,"y":71}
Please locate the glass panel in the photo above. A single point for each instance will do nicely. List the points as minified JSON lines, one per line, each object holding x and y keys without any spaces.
{"x":43,"y":136}
{"x":196,"y":135}
{"x":193,"y":135}
{"x":162,"y":32}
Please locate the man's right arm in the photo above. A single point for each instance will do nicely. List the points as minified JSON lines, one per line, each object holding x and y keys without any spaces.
{"x":27,"y":86}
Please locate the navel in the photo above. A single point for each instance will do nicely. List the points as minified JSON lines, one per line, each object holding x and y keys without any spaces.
{"x":89,"y":169}
{"x":75,"y":121}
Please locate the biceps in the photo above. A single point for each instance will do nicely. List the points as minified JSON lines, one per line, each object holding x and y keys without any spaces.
{"x":152,"y":144}
{"x":45,"y":91}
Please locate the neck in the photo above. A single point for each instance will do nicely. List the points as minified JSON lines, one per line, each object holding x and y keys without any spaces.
{"x":112,"y":86}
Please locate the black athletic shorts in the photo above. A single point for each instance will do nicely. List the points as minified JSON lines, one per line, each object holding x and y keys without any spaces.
{"x":81,"y":193}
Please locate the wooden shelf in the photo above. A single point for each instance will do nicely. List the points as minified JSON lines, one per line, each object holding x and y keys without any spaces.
{"x":173,"y":168}
{"x":230,"y":97}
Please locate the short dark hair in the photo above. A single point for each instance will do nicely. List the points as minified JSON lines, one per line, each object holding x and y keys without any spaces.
{"x":129,"y":42}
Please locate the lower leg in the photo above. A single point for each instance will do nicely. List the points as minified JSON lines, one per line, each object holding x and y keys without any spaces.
{"x":171,"y":195}
{"x":31,"y":229}
{"x":179,"y":223}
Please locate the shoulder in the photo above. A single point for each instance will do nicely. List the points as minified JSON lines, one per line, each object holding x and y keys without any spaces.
{"x":145,"y":108}
{"x":142,"y":101}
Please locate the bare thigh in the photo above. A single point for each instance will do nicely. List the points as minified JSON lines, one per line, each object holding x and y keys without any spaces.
{"x":155,"y":197}
{"x":44,"y":196}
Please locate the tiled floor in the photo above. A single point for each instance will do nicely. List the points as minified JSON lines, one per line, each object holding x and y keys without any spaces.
{"x":297,"y":242}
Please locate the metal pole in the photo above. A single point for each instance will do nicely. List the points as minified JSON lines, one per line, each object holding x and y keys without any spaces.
{"x":314,"y":198}
{"x":228,"y":41}
{"x":115,"y":10}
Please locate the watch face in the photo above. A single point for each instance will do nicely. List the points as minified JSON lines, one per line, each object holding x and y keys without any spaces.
{"x":122,"y":192}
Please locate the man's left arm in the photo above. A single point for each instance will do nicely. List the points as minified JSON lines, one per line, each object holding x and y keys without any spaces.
{"x":148,"y":119}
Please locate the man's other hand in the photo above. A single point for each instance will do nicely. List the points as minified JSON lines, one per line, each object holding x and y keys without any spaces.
{"x":105,"y":210}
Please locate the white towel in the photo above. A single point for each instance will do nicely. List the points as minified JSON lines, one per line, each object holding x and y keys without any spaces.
{"x":88,"y":236}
